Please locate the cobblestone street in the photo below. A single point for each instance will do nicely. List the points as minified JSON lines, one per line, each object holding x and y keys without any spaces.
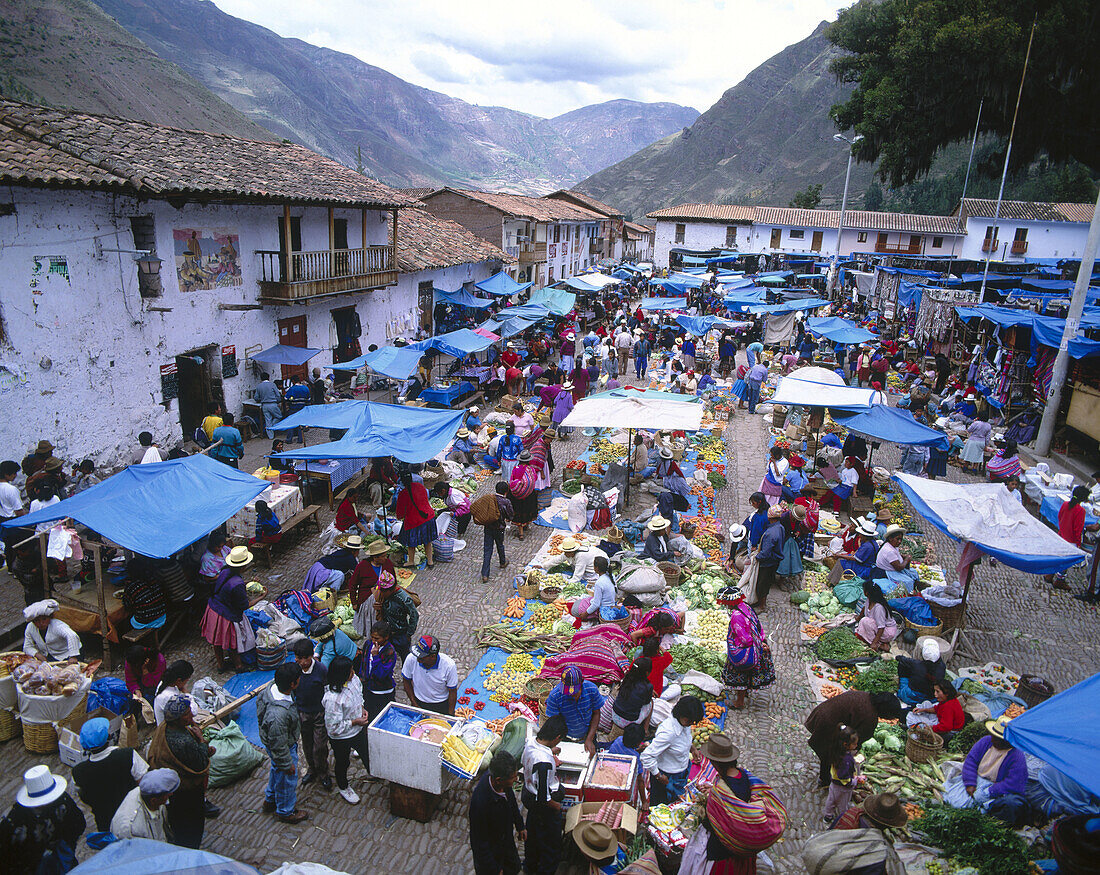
{"x":1013,"y":619}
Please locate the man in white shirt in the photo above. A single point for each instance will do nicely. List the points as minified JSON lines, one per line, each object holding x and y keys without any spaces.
{"x":141,"y":814}
{"x":623,"y":342}
{"x":583,"y":558}
{"x":146,"y":451}
{"x":430,"y":678}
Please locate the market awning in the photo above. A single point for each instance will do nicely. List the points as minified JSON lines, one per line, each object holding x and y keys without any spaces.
{"x":556,"y":301}
{"x":807,"y":393}
{"x":507,"y":325}
{"x":462,"y":298}
{"x":411,"y":434}
{"x":892,"y":424}
{"x":397,"y":362}
{"x":281,"y":354}
{"x":700,"y":325}
{"x":792,"y":306}
{"x":578,"y":283}
{"x":501,"y":285}
{"x":987,"y":515}
{"x":599,"y":280}
{"x":157,"y":509}
{"x":1064,"y":732}
{"x":606,"y":411}
{"x":647,"y":395}
{"x":338,"y":415}
{"x":458,"y":343}
{"x":838,"y":330}
{"x":149,"y":857}
{"x":663,"y":303}
{"x":814,"y":374}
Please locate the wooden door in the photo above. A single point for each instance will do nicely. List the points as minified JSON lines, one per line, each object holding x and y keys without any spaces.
{"x":815,"y":244}
{"x":425,"y":301}
{"x":295,"y":244}
{"x":292,"y":332}
{"x":777,"y":237}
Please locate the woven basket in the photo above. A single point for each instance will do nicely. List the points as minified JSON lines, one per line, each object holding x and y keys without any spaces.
{"x":550,"y":593}
{"x":528,"y":591}
{"x":571,"y":474}
{"x":4,"y":670}
{"x":924,"y":630}
{"x":949,"y":617}
{"x":9,"y":724}
{"x":539,"y":689}
{"x":671,"y":571}
{"x":1034,"y":690}
{"x":39,"y":737}
{"x":921,"y":744}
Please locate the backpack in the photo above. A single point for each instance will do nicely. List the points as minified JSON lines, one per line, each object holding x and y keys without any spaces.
{"x":200,"y":438}
{"x":485,"y":511}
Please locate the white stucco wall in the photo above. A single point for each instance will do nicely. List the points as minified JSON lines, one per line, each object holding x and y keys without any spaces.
{"x":697,"y":235}
{"x":1044,"y":239}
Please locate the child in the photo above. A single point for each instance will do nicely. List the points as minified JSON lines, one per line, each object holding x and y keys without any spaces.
{"x":844,"y":774}
{"x":345,"y":722}
{"x":277,"y":717}
{"x":83,"y":476}
{"x":542,"y":797}
{"x":631,"y":743}
{"x":660,"y":659}
{"x":268,"y":527}
{"x":376,"y":671}
{"x":278,"y":446}
{"x":950,"y":717}
{"x":758,"y":521}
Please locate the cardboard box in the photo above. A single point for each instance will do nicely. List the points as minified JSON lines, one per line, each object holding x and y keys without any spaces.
{"x":628,"y":826}
{"x":68,"y":735}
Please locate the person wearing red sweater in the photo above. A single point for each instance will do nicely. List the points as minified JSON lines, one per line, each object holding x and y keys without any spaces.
{"x":1071,"y":526}
{"x":660,"y":659}
{"x":948,"y":709}
{"x":414,"y":509}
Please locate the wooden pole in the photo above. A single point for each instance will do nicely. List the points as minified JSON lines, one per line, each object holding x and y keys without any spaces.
{"x":104,"y":627}
{"x":289,"y":244}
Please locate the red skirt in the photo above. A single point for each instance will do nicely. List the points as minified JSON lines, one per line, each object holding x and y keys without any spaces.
{"x":218,"y":630}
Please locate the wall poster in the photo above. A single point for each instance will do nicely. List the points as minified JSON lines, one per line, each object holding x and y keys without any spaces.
{"x":207,"y":258}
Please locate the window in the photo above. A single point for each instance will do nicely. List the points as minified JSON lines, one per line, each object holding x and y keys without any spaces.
{"x":1021,"y":235}
{"x":339,"y":233}
{"x":679,"y":233}
{"x":550,"y":274}
{"x":557,"y":233}
{"x":990,"y":232}
{"x":143,"y":229}
{"x":731,"y":236}
{"x":797,"y":233}
{"x":861,"y":237}
{"x":577,"y":233}
{"x":937,"y":242}
{"x":914,"y":241}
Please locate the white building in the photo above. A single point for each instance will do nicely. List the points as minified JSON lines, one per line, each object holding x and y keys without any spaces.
{"x":700,"y":227}
{"x":1025,"y":230}
{"x":637,"y":242}
{"x":611,"y":239}
{"x":141,"y":266}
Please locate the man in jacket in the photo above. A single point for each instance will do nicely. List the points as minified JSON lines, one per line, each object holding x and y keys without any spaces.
{"x":493,"y":815}
{"x":855,"y":708}
{"x":311,"y":714}
{"x":768,"y":557}
{"x":280,"y":729}
{"x":395,"y":606}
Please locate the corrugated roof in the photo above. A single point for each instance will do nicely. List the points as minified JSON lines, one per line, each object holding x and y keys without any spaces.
{"x":706,"y":212}
{"x":586,"y":201}
{"x":426,"y":242}
{"x":535,"y":208}
{"x":1033,"y":211}
{"x":55,"y":147}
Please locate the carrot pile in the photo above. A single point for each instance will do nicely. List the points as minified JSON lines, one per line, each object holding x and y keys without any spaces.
{"x":713,"y":710}
{"x":516,"y":607}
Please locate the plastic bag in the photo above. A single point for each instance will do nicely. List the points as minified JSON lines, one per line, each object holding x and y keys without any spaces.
{"x":234,"y":758}
{"x":109,"y":693}
{"x":210,"y":694}
{"x":578,"y":512}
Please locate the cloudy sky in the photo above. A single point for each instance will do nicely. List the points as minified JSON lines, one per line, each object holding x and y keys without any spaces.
{"x":548,"y":58}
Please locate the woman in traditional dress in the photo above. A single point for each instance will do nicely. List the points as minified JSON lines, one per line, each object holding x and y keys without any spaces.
{"x":223,"y":624}
{"x":775,"y":476}
{"x":414,"y":509}
{"x":599,"y":653}
{"x":973,"y":452}
{"x":673,"y":480}
{"x":748,"y":657}
{"x":525,"y":498}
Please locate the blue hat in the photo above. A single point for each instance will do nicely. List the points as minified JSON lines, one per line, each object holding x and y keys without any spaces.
{"x":94,"y":734}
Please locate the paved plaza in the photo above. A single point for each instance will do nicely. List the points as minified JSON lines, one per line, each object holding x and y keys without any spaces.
{"x":1014,"y":619}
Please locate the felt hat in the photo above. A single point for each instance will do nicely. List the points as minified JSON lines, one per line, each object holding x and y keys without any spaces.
{"x":884,"y":514}
{"x":665,"y":453}
{"x":41,"y":608}
{"x":40,"y":787}
{"x":322,"y":628}
{"x":796,"y":461}
{"x":658,"y":524}
{"x":738,"y":532}
{"x":238,"y":557}
{"x":354,"y":542}
{"x":866,"y":528}
{"x":377,"y":548}
{"x":94,"y":734}
{"x":614,"y":535}
{"x":510,"y":345}
{"x":387,"y":581}
{"x":157,"y":782}
{"x":525,"y":456}
{"x":638,"y":331}
{"x":471,"y":409}
{"x":721,"y":749}
{"x":798,"y":511}
{"x":970,"y":397}
{"x":44,"y":447}
{"x":885,"y":808}
{"x":463,"y":432}
{"x":894,"y":530}
{"x":569,"y":335}
{"x":572,"y":680}
{"x":567,"y":386}
{"x":595,"y":840}
{"x":996,"y":728}
{"x":53,"y":464}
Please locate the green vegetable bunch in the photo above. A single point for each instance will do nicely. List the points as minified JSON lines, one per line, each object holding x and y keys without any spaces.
{"x":967,"y":737}
{"x":841,"y":644}
{"x":974,"y":838}
{"x":688,"y":656}
{"x":879,"y":677}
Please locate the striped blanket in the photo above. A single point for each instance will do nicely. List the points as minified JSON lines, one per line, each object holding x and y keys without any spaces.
{"x":599,"y":652}
{"x":745,"y":828}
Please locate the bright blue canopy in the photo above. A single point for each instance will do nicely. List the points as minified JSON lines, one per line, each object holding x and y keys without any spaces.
{"x":578,"y":283}
{"x":390,"y":361}
{"x":160,"y":508}
{"x":339,"y":414}
{"x":892,"y":424}
{"x":556,"y":301}
{"x":838,"y":330}
{"x":789,"y":306}
{"x":1046,"y":330}
{"x":910,"y":294}
{"x":1051,"y":335}
{"x":671,"y":286}
{"x":691,"y":280}
{"x":700,"y":325}
{"x":740,"y":282}
{"x":501,"y":285}
{"x":1064,"y":732}
{"x":509,"y":325}
{"x":458,"y":343}
{"x":462,"y":298}
{"x":149,"y":857}
{"x":411,"y":434}
{"x":280,"y":354}
{"x":663,"y":303}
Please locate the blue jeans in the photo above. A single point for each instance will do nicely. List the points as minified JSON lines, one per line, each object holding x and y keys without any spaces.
{"x":640,"y":364}
{"x":751,"y":355}
{"x":531,"y":383}
{"x":282,"y":789}
{"x":754,"y":394}
{"x":648,"y":471}
{"x":494,"y":534}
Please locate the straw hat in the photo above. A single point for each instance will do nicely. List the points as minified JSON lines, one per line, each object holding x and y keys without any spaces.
{"x":238,"y":557}
{"x":658,"y":524}
{"x":666,"y":453}
{"x":567,"y":386}
{"x":44,"y":447}
{"x":596,"y":841}
{"x":53,"y":464}
{"x":40,"y":787}
{"x":353,"y":542}
{"x":721,"y":749}
{"x":884,"y":514}
{"x":463,"y":432}
{"x":738,"y":532}
{"x":798,"y":511}
{"x":471,"y":410}
{"x":894,"y":530}
{"x":866,"y":528}
{"x":570,"y":545}
{"x":377,"y":548}
{"x":996,"y":728}
{"x":510,"y":345}
{"x":885,"y":808}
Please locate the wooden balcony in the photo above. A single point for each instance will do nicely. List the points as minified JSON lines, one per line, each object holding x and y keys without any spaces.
{"x":532,"y":253}
{"x":1019,"y":247}
{"x":990,"y":244}
{"x":898,"y":248}
{"x":298,"y":276}
{"x":595,"y":245}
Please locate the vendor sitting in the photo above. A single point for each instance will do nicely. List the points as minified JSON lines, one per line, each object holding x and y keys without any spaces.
{"x":331,"y":570}
{"x":463,"y":449}
{"x":348,"y":517}
{"x":948,"y":711}
{"x":795,"y":480}
{"x":657,"y":546}
{"x":48,"y":638}
{"x":579,"y":702}
{"x":890,"y":558}
{"x":583,"y":558}
{"x":876,"y":626}
{"x":331,"y":642}
{"x":993,"y":778}
{"x":639,"y":459}
{"x":682,"y":547}
{"x":862,"y":562}
{"x":604,"y":594}
{"x":917,"y":677}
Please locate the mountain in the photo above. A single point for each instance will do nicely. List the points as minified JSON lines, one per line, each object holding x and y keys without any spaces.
{"x":766,"y":138}
{"x":403,"y":134}
{"x":68,"y":53}
{"x":605,"y":133}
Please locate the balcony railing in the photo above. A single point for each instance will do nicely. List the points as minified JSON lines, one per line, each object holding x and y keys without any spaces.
{"x":297,"y":275}
{"x":898,"y":248}
{"x":1019,"y":247}
{"x":990,"y":244}
{"x":532,"y":253}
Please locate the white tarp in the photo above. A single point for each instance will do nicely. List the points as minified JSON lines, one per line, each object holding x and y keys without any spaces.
{"x":599,"y":280}
{"x":806,"y":393}
{"x":811,"y":374}
{"x":649,"y":413}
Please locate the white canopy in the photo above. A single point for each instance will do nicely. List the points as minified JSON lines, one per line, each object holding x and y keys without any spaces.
{"x":811,"y":374}
{"x":806,"y":393}
{"x":649,"y":413}
{"x":599,"y":280}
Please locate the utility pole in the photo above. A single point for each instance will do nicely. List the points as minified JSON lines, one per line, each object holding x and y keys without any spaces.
{"x":1073,"y":320}
{"x":843,"y":206}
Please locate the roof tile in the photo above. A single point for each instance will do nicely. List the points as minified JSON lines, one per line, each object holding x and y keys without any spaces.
{"x":1034,"y":211}
{"x":534,"y":208}
{"x":426,"y":242}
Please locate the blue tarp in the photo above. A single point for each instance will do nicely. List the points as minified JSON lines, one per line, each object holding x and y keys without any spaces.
{"x":501,"y":285}
{"x":1064,"y":732}
{"x":507,"y":325}
{"x":1051,"y":335}
{"x":789,"y":306}
{"x":663,"y":304}
{"x":692,"y":281}
{"x":993,"y":281}
{"x":148,"y":857}
{"x":1046,"y":330}
{"x":631,"y":392}
{"x":556,"y":301}
{"x":411,"y":434}
{"x":737,"y":283}
{"x":458,"y":343}
{"x":838,"y":330}
{"x":771,"y":280}
{"x":160,"y":508}
{"x":578,"y":283}
{"x":391,"y":361}
{"x":339,"y":415}
{"x":700,"y":325}
{"x":280,"y":354}
{"x":462,"y":298}
{"x":892,"y":424}
{"x":910,"y":294}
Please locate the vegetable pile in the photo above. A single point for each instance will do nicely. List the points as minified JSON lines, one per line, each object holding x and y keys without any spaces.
{"x":710,"y":629}
{"x":880,"y":676}
{"x":508,"y":683}
{"x":824,"y":605}
{"x":967,"y":737}
{"x":688,"y":656}
{"x":887,"y":773}
{"x":518,"y":638}
{"x":841,"y":644}
{"x":974,"y":839}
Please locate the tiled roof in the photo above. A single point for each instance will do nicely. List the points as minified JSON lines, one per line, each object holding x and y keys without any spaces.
{"x":797,"y":217}
{"x":425,"y":242}
{"x":54,"y":147}
{"x":535,"y":208}
{"x":1035,"y":211}
{"x":586,"y":201}
{"x":416,"y":193}
{"x":636,"y":229}
{"x":913,"y":223}
{"x":706,"y":212}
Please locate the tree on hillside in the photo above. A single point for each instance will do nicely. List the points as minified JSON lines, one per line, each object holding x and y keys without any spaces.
{"x":873,"y":198}
{"x":808,"y":198}
{"x":921,"y":67}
